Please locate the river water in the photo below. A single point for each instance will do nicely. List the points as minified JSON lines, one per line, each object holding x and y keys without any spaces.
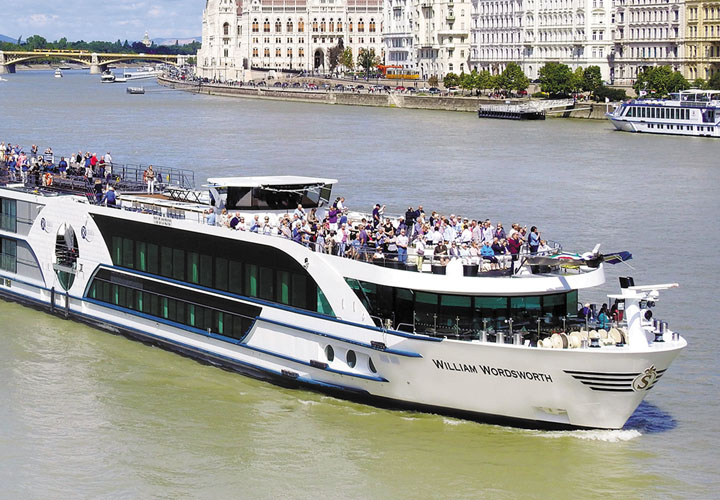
{"x":86,"y":414}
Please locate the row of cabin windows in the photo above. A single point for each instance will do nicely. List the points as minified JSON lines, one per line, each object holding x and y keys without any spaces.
{"x":8,"y":255}
{"x":171,"y":309}
{"x":8,"y":215}
{"x":237,"y":277}
{"x":322,"y":26}
{"x":424,"y":310}
{"x":666,"y":113}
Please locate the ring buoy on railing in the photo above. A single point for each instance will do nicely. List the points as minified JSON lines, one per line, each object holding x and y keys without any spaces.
{"x":47,"y":179}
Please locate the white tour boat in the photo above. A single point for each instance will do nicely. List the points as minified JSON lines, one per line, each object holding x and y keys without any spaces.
{"x":688,"y":112}
{"x":501,"y":346}
{"x":141,"y":74}
{"x":58,"y":73}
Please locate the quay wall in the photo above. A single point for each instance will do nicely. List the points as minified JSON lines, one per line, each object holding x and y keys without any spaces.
{"x":391,"y":100}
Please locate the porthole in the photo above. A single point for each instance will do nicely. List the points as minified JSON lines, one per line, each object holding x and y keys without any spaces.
{"x":371,"y":365}
{"x":329,"y":353}
{"x":351,"y":359}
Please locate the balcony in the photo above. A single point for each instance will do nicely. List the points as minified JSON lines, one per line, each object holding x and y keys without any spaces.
{"x":450,"y":18}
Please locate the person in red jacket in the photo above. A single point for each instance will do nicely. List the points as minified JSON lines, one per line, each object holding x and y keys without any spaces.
{"x":514,"y":244}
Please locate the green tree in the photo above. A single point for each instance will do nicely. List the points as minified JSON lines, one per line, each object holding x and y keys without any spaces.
{"x":36,"y":42}
{"x":334,"y":55}
{"x":556,"y":78}
{"x":592,"y":79}
{"x":660,"y":79}
{"x":451,"y":80}
{"x":699,"y":83}
{"x":577,"y":80}
{"x":483,"y":80}
{"x":714,"y":82}
{"x":433,"y":81}
{"x":346,"y":59}
{"x":468,"y":81}
{"x":513,"y":78}
{"x":367,"y":60}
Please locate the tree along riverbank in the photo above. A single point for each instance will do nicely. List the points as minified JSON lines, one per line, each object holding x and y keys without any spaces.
{"x":387,"y":100}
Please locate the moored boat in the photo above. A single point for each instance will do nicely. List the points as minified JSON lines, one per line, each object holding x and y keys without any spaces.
{"x":688,"y":112}
{"x":495,"y":345}
{"x":58,"y":73}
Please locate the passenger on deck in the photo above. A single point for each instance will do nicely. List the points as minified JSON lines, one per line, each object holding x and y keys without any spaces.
{"x":419,"y":253}
{"x":255,"y":224}
{"x":376,"y":213}
{"x":110,"y":198}
{"x":210,"y":218}
{"x":534,"y":240}
{"x":544,"y":248}
{"x":378,"y":256}
{"x":98,"y":189}
{"x":299,"y":212}
{"x":402,"y":242}
{"x":514,"y":245}
{"x":500,"y":232}
{"x":440,"y":253}
{"x":224,"y":218}
{"x":603,"y":319}
{"x":488,"y":255}
{"x":150,"y":179}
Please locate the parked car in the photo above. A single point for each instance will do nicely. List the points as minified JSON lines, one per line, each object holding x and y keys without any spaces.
{"x":360,"y":87}
{"x":262,"y":83}
{"x":399,"y":88}
{"x":340,"y":87}
{"x":277,"y":84}
{"x":312,"y":86}
{"x":453,"y":90}
{"x":296,"y":85}
{"x":434,"y":91}
{"x":411,"y":90}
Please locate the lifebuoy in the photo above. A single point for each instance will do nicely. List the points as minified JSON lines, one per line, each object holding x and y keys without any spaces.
{"x":48,"y":179}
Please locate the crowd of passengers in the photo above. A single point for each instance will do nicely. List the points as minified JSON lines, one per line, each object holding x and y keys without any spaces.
{"x":378,"y":238}
{"x":34,"y":167}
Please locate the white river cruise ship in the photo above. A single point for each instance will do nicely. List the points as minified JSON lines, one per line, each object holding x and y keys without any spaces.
{"x":688,"y":112}
{"x":495,"y":342}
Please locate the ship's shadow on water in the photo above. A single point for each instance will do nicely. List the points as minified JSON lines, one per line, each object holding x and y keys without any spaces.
{"x":649,"y":419}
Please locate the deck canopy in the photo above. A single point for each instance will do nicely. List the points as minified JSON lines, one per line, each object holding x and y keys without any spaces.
{"x":281,"y":192}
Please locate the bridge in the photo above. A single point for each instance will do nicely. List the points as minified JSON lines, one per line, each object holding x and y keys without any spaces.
{"x":97,"y":62}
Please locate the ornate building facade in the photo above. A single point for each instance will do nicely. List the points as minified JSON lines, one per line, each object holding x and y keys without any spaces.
{"x":702,"y":38}
{"x":648,"y":33}
{"x":533,"y":32}
{"x":441,"y":36}
{"x":284,"y":34}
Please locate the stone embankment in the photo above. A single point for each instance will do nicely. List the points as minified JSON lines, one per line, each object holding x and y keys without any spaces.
{"x":386,"y":100}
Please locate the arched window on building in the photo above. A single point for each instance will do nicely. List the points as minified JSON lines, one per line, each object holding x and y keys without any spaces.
{"x":350,"y":28}
{"x":301,"y":52}
{"x":339,"y":26}
{"x":278,"y":25}
{"x":267,"y":52}
{"x":289,"y":26}
{"x":315,"y":25}
{"x":301,"y":26}
{"x":322,"y":25}
{"x":255,"y":26}
{"x":277,"y":52}
{"x":266,"y":25}
{"x":289,"y":52}
{"x":361,"y":25}
{"x":255,"y":52}
{"x":226,"y":29}
{"x":331,"y":25}
{"x":372,"y":25}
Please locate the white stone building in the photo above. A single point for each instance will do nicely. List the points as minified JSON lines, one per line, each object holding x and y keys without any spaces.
{"x":532,"y":33}
{"x":648,"y":33}
{"x":398,"y":33}
{"x":284,"y":34}
{"x":441,"y":30}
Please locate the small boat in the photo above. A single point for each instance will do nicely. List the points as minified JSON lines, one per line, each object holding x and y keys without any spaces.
{"x":107,"y":77}
{"x":58,"y":73}
{"x":688,"y":112}
{"x":135,"y":90}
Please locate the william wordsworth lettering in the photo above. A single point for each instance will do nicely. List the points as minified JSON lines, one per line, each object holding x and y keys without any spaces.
{"x":491,"y":371}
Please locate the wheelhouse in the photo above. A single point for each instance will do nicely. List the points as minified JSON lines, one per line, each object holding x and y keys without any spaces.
{"x":270,"y":193}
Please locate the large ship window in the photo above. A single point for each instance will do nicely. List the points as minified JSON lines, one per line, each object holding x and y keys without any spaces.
{"x":8,"y":215}
{"x":276,"y":197}
{"x":8,"y":255}
{"x":171,"y":303}
{"x":241,"y":268}
{"x":426,"y":312}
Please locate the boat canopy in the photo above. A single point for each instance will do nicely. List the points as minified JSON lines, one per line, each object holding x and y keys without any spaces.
{"x":282,"y":192}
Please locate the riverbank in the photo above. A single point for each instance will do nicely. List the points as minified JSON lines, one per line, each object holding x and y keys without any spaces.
{"x":388,"y":100}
